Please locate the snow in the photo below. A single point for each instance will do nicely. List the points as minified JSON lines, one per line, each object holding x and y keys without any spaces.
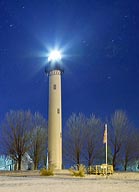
{"x":118,"y":182}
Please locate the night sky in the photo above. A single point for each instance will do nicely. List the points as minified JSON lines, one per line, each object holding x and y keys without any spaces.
{"x":100,"y":44}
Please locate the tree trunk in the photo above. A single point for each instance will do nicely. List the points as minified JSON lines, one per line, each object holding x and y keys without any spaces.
{"x":78,"y":159}
{"x":19,"y":162}
{"x":35,"y":164}
{"x":125,"y":166}
{"x":89,"y":159}
{"x":89,"y":162}
{"x":113,"y":161}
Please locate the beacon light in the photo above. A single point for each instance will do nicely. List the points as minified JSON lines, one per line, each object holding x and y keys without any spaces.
{"x":54,"y":56}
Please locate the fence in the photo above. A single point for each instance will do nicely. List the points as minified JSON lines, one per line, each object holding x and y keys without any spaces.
{"x":100,"y":169}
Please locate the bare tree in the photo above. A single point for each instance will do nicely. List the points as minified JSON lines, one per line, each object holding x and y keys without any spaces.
{"x":16,"y":135}
{"x":75,"y":137}
{"x":129,"y":152}
{"x":118,"y":133}
{"x":93,"y":133}
{"x":38,"y":140}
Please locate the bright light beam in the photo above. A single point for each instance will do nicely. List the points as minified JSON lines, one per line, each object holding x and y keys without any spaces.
{"x":54,"y":56}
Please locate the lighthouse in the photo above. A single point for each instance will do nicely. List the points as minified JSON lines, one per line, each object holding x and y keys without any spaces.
{"x":54,"y":72}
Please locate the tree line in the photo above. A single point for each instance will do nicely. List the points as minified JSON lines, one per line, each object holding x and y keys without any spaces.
{"x":22,"y":131}
{"x":83,"y":140}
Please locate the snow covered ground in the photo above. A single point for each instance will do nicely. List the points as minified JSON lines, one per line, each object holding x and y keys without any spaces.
{"x":118,"y":182}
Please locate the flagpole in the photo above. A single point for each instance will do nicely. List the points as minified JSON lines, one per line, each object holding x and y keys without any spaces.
{"x":47,"y":164}
{"x":106,"y":131}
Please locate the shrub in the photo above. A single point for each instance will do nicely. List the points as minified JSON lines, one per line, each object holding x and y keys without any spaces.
{"x":78,"y":171}
{"x":47,"y":172}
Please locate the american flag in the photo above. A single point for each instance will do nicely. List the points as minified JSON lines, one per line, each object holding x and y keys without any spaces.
{"x":105,"y":134}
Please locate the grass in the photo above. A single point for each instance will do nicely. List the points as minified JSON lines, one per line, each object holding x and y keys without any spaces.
{"x":47,"y":172}
{"x":78,"y":171}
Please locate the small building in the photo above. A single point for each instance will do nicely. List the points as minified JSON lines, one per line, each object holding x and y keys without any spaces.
{"x":27,"y":162}
{"x":134,"y":166}
{"x":8,"y":164}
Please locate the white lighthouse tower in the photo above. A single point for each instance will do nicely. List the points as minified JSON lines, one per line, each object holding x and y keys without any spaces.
{"x":54,"y":72}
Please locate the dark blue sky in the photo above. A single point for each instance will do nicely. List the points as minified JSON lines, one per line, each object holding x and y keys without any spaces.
{"x":100,"y":40}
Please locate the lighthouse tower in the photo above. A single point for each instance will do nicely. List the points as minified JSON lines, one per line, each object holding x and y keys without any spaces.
{"x":54,"y":72}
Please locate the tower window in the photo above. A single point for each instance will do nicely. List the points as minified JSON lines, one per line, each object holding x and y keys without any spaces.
{"x":58,"y":110}
{"x":54,"y":86}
